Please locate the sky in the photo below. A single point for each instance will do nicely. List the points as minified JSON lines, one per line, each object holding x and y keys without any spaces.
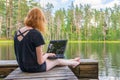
{"x":97,"y":4}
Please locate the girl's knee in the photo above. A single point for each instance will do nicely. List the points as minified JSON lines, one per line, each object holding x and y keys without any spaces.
{"x":59,"y":61}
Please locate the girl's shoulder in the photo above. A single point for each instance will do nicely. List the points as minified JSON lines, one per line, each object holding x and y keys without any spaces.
{"x":35,"y":32}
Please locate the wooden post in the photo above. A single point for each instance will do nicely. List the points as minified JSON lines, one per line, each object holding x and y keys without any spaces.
{"x":88,"y":68}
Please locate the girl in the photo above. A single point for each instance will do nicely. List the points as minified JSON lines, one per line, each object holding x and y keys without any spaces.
{"x":28,"y":43}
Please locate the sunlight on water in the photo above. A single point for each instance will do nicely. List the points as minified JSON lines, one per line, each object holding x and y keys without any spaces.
{"x":108,"y":78}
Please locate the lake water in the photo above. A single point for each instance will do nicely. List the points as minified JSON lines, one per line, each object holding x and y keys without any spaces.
{"x":107,"y":54}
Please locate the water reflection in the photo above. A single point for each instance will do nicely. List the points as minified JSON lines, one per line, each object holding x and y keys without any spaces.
{"x":107,"y":54}
{"x":6,"y":51}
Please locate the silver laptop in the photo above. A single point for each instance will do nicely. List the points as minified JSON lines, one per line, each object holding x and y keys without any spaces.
{"x":58,"y":47}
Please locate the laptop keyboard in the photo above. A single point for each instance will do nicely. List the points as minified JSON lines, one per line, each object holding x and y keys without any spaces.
{"x":59,"y":55}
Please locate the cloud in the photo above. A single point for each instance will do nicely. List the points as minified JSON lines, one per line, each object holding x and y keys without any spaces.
{"x":111,"y":4}
{"x":63,"y":1}
{"x":97,"y":4}
{"x":107,"y":5}
{"x":90,"y":2}
{"x":44,"y":2}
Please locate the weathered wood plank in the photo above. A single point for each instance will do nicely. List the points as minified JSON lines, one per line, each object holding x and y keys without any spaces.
{"x":51,"y":78}
{"x":88,"y":67}
{"x":8,"y":63}
{"x":56,"y":73}
{"x":88,"y":79}
{"x":88,"y":61}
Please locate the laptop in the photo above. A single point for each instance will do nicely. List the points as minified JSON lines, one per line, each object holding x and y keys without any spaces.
{"x":58,"y":47}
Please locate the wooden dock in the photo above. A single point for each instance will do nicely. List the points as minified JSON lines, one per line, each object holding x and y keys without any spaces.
{"x":88,"y":68}
{"x":57,"y":73}
{"x":7,"y":66}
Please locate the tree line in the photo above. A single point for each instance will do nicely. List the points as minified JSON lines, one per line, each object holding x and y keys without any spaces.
{"x":80,"y":22}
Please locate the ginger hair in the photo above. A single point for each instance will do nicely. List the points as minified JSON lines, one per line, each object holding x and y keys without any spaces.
{"x":35,"y":19}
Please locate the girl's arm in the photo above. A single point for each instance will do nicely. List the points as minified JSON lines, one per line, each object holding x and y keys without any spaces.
{"x":41,"y":58}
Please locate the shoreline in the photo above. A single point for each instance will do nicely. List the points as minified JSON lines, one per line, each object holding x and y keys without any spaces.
{"x":11,"y":41}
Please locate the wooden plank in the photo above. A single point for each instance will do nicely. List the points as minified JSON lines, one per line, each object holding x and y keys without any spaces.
{"x":88,"y":72}
{"x":88,"y":67}
{"x":88,"y":79}
{"x":90,"y":76}
{"x":56,"y":73}
{"x":88,"y":61}
{"x":51,"y":78}
{"x":8,"y":63}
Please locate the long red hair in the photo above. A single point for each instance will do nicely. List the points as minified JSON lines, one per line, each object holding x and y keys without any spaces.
{"x":35,"y":19}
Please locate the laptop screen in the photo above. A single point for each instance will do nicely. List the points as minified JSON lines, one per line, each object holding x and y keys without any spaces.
{"x":57,"y":46}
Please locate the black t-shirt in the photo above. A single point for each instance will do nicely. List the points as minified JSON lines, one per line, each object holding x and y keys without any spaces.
{"x":25,"y":50}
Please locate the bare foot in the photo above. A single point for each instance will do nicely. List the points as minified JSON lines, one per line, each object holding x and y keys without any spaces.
{"x":77,"y":62}
{"x":77,"y":59}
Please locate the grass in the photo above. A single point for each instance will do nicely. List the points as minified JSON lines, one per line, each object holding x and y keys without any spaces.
{"x":6,"y":41}
{"x":11,"y":41}
{"x":94,"y":41}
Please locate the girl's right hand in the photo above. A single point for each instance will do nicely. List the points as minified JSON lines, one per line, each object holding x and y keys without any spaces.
{"x":51,"y":54}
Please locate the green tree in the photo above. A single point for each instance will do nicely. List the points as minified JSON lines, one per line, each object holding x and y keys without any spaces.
{"x":49,"y":18}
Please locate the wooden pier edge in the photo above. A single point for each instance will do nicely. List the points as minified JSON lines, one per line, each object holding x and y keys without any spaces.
{"x":88,"y":68}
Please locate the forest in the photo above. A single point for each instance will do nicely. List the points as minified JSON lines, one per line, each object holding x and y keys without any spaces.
{"x":77,"y":23}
